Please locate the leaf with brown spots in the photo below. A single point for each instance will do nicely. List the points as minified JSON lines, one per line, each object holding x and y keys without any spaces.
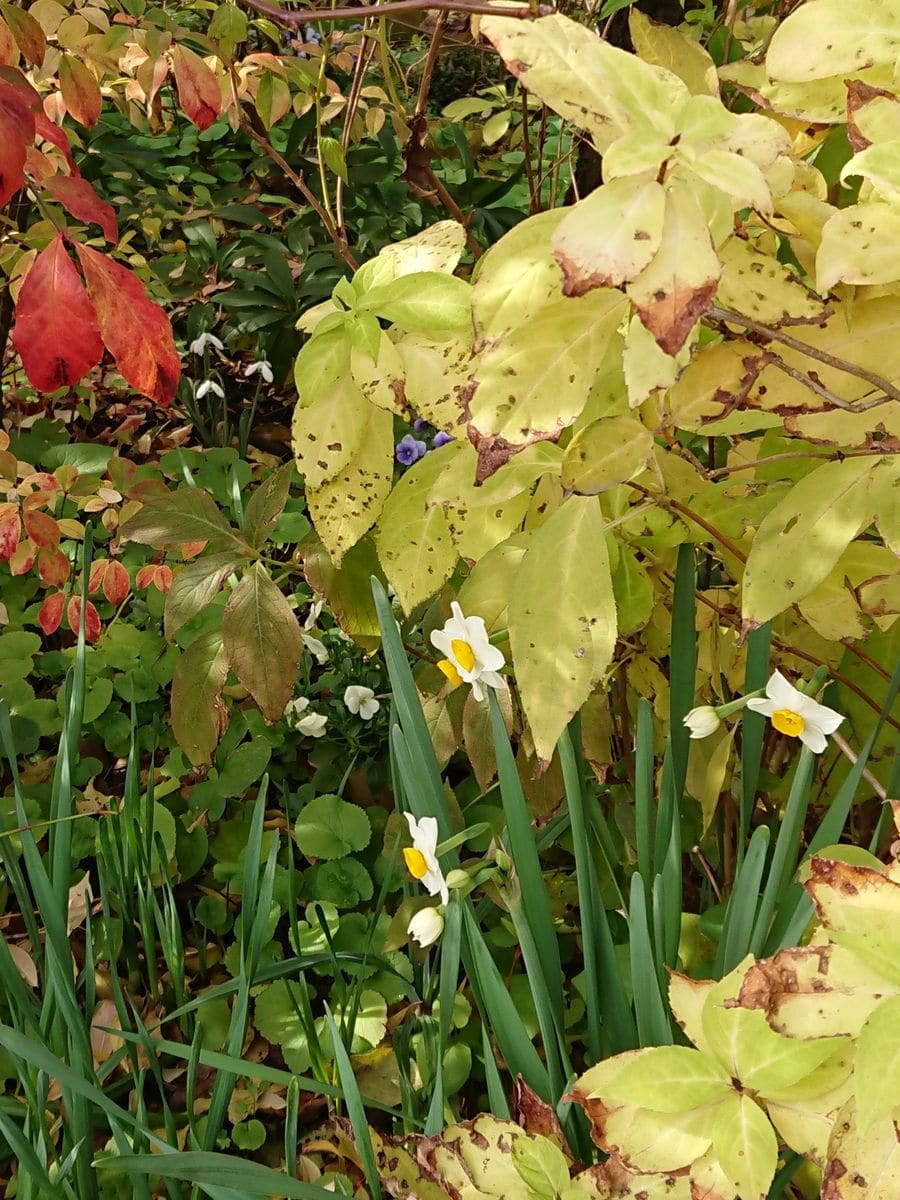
{"x":676,"y":289}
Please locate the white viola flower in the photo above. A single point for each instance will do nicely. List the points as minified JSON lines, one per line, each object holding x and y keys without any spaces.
{"x":313,"y":615}
{"x":311,"y":725}
{"x":421,"y":857}
{"x":702,"y":721}
{"x":317,"y":649}
{"x":209,"y":385}
{"x":426,"y":926}
{"x":198,"y":345}
{"x":361,"y":700}
{"x":795,"y":714}
{"x":470,"y":657}
{"x":263,"y":368}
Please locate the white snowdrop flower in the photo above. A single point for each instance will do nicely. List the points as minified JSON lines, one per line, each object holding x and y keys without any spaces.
{"x":702,"y":721}
{"x":426,"y":926}
{"x":263,"y":368}
{"x":470,"y":656}
{"x":209,"y":385}
{"x":361,"y":700}
{"x":199,"y":344}
{"x":421,"y":857}
{"x":795,"y":714}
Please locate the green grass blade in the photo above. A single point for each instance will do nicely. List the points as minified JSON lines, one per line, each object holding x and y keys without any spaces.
{"x":784,"y":857}
{"x":650,"y":1009}
{"x":740,"y":912}
{"x":355,"y":1110}
{"x":249,"y":1179}
{"x":753,"y":728}
{"x":535,"y":901}
{"x":644,"y":815}
{"x":451,"y":944}
{"x":682,"y":665}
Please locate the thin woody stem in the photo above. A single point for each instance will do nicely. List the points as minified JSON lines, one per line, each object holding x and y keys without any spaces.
{"x":291,"y":19}
{"x":778,"y":335}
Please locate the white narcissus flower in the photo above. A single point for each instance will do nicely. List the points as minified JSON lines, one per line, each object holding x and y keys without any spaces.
{"x":311,"y":725}
{"x":470,"y":656}
{"x":313,"y":615}
{"x":426,"y":926}
{"x":795,"y":714}
{"x":199,"y":344}
{"x":421,"y":857}
{"x":361,"y":700}
{"x":263,"y":368}
{"x":209,"y":385}
{"x":702,"y":721}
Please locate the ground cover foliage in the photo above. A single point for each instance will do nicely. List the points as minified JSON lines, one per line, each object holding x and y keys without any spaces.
{"x":448,"y":595}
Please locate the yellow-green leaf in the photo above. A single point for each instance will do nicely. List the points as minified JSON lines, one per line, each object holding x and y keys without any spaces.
{"x":561,"y":648}
{"x":329,"y":432}
{"x":664,"y":46}
{"x":830,"y":37}
{"x":198,"y":715}
{"x":860,"y":244}
{"x":535,"y":380}
{"x":610,"y":236}
{"x":517,"y":276}
{"x":348,"y":505}
{"x":746,"y":1147}
{"x":606,"y":453}
{"x":876,"y":1076}
{"x":803,"y":536}
{"x":413,"y":537}
{"x":678,"y":286}
{"x":586,"y":80}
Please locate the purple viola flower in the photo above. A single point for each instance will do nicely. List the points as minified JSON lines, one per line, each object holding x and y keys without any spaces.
{"x":409,"y":450}
{"x":419,"y":425}
{"x":441,"y":439}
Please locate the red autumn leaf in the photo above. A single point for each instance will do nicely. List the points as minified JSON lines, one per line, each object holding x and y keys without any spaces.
{"x":198,"y":89}
{"x":116,"y":584}
{"x":16,"y":134}
{"x":56,"y":332}
{"x":136,"y":331}
{"x":22,"y":559}
{"x":41,"y":528}
{"x":53,"y":567}
{"x":192,"y":549}
{"x":10,"y":529}
{"x":91,"y":618}
{"x":27,"y":32}
{"x":163,"y":580}
{"x":50,"y":612}
{"x":80,"y":91}
{"x":78,"y":197}
{"x":145,"y":576}
{"x":45,"y":129}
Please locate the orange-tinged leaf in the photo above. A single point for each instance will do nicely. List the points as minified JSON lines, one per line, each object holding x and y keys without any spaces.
{"x":9,"y":51}
{"x":22,"y":559}
{"x":91,"y":618}
{"x":10,"y":529}
{"x":198,"y":89}
{"x":16,"y":133}
{"x":98,"y":570}
{"x":53,"y":567}
{"x":41,"y":528}
{"x":27,"y":32}
{"x":56,"y":333}
{"x":50,"y":612}
{"x":136,"y":331}
{"x":78,"y":197}
{"x":44,"y":128}
{"x":80,"y":91}
{"x":116,"y":584}
{"x":38,"y":165}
